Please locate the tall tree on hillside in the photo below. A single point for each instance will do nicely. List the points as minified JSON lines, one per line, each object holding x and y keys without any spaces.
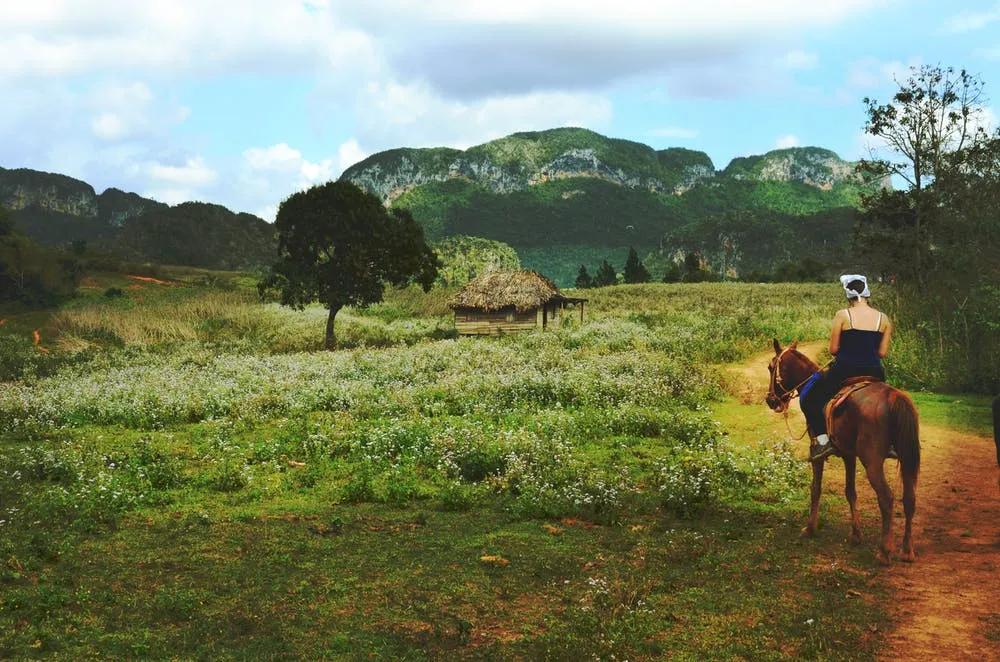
{"x":583,"y":279}
{"x":635,"y":271}
{"x":605,"y":275}
{"x":339,"y":246}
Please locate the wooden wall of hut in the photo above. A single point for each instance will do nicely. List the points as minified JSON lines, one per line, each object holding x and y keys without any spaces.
{"x":471,"y":322}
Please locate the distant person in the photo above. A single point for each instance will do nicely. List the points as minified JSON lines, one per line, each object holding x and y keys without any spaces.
{"x":859,"y":341}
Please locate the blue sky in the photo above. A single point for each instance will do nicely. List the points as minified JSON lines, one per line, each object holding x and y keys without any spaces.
{"x":244,"y":103}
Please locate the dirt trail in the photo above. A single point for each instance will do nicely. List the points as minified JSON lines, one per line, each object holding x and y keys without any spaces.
{"x":947,"y":604}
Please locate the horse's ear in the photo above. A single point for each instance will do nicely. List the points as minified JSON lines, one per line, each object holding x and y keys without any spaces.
{"x":777,"y":346}
{"x":795,"y":343}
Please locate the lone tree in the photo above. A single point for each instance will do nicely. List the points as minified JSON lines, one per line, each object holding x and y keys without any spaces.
{"x":935,"y":118}
{"x":583,"y":279}
{"x":635,"y":271}
{"x":339,"y":246}
{"x":605,"y":275}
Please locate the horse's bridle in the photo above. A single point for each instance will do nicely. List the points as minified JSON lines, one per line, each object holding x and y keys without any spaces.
{"x":787,"y":395}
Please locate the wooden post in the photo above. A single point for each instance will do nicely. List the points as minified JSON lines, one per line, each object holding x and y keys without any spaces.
{"x":581,"y":312}
{"x":545,"y":312}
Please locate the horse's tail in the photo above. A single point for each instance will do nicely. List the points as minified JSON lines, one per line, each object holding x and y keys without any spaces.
{"x":904,"y":432}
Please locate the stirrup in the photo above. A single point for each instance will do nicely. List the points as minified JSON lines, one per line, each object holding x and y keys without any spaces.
{"x":819,"y":452}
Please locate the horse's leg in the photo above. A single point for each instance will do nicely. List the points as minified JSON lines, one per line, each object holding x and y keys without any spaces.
{"x":850,"y":464}
{"x":876,"y":476}
{"x":817,"y":487}
{"x":909,"y":507}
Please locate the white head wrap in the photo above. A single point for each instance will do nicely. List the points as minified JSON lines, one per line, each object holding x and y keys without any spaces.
{"x":849,"y":278}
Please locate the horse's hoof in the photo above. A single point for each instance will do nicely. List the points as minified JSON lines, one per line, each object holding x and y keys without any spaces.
{"x":908,"y":557}
{"x":883,"y":557}
{"x":855,"y":539}
{"x":807,"y":532}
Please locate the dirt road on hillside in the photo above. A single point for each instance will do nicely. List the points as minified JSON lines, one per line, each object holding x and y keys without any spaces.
{"x":947,"y":604}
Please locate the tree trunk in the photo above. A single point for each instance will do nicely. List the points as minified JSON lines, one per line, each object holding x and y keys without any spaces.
{"x":331,"y":340}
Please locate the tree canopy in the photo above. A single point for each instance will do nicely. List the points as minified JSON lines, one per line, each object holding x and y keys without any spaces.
{"x":938,"y":238}
{"x":339,"y":246}
{"x":634,"y":271}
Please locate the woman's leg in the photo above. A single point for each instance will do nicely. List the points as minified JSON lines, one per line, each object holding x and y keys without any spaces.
{"x":817,"y":397}
{"x":813,"y":405}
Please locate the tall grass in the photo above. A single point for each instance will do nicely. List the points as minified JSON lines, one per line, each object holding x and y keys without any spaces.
{"x":235,"y":320}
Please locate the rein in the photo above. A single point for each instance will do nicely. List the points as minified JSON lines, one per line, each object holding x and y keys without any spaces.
{"x":788,"y":394}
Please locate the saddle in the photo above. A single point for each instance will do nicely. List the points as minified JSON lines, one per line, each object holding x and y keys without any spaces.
{"x":850,"y":386}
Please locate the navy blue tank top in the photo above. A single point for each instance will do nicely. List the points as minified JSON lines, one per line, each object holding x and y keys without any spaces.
{"x":859,"y":348}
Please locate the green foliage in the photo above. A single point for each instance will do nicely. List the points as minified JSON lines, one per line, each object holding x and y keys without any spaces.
{"x":31,"y":273}
{"x":339,"y":246}
{"x":198,"y":234}
{"x":430,"y":203}
{"x":939,"y":239}
{"x":672,"y":272}
{"x":753,"y":242}
{"x":562,"y":262}
{"x":605,"y":275}
{"x":463,"y":258}
{"x":634,"y":271}
{"x":583,"y":279}
{"x":296,"y":482}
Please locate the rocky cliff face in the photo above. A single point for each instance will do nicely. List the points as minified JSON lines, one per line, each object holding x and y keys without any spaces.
{"x":58,"y":210}
{"x":812,"y":166}
{"x":23,"y":188}
{"x":523,"y":160}
{"x":520,"y":161}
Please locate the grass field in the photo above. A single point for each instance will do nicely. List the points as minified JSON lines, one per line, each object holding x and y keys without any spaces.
{"x":183,"y":475}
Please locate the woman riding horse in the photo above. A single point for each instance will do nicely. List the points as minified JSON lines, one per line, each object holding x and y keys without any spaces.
{"x":873,"y":423}
{"x":859,"y":341}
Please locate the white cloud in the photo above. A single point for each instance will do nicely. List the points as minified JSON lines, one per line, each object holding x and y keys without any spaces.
{"x":272,"y":173}
{"x":798,"y":60}
{"x":523,"y":45}
{"x":86,"y":82}
{"x":413,"y":114}
{"x":108,"y":126}
{"x":786,"y":141}
{"x":349,"y":153}
{"x":969,"y":21}
{"x":674,"y":132}
{"x":193,"y":173}
{"x":75,"y":37}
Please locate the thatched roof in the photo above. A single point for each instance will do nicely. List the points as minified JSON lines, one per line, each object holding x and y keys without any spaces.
{"x":523,"y":290}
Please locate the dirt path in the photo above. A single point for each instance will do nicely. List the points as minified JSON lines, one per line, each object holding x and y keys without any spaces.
{"x":949,"y":600}
{"x":947,"y":604}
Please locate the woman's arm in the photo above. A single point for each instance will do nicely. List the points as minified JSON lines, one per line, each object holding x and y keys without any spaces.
{"x":838,"y":324}
{"x":883,"y":348}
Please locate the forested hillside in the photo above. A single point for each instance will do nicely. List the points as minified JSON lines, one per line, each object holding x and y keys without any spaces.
{"x":569,"y":196}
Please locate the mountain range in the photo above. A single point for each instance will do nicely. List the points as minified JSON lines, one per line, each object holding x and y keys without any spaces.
{"x":58,"y":210}
{"x":561,"y":198}
{"x":570,"y":196}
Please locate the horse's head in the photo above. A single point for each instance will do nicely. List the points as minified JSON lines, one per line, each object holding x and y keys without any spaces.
{"x":788,"y":368}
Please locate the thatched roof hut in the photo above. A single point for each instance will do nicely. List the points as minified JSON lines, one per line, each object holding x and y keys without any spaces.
{"x":508,"y":301}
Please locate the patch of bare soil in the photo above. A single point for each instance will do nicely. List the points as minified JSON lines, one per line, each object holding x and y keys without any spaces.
{"x":947,"y":600}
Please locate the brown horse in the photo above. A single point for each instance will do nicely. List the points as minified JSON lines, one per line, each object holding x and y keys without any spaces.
{"x":870,"y":423}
